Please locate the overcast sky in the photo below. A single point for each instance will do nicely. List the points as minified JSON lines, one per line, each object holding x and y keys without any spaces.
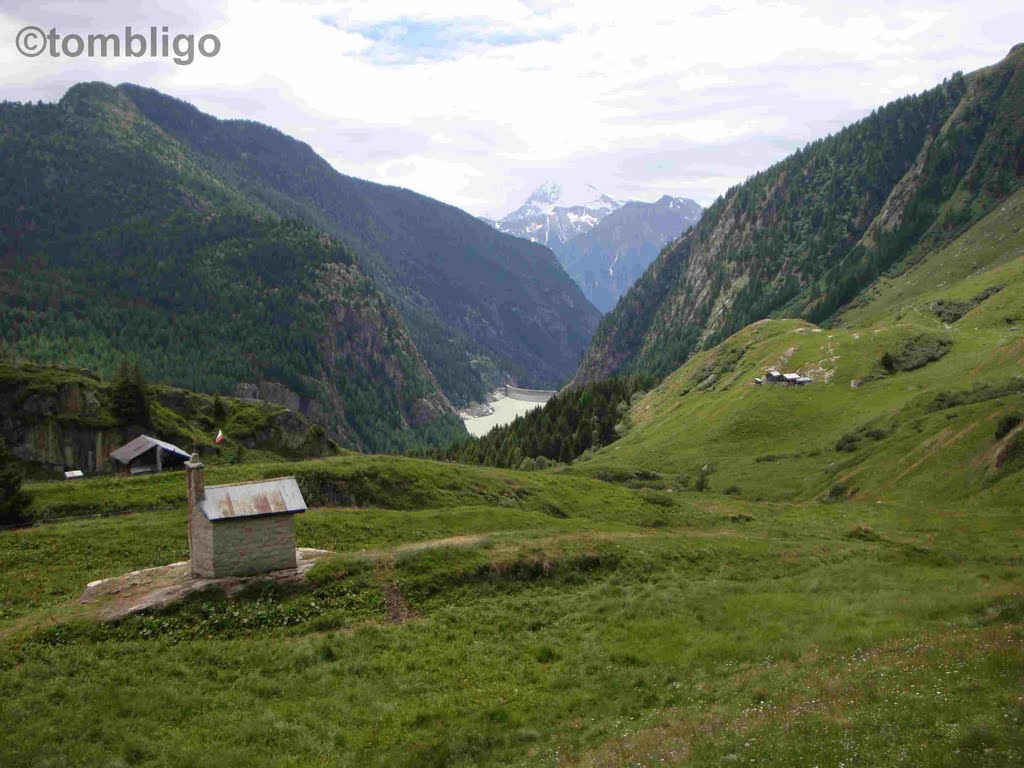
{"x":476,"y":102}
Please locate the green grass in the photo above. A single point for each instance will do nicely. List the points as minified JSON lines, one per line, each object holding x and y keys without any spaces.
{"x":847,"y":590}
{"x":587,"y":638}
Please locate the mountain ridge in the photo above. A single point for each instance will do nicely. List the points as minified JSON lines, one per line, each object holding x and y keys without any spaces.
{"x":473,"y":300}
{"x":604,"y":244}
{"x":609,"y":258}
{"x":791,"y":240}
{"x":541,"y":220}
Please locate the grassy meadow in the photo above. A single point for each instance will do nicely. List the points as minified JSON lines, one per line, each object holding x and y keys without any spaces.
{"x":545,"y":619}
{"x":820,"y":576}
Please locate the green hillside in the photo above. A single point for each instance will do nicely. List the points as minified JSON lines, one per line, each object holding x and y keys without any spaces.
{"x":115,"y":240}
{"x":804,"y":237}
{"x":474,"y":616}
{"x":882,"y":421}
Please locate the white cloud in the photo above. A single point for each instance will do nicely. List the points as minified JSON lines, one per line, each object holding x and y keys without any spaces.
{"x":476,"y":103}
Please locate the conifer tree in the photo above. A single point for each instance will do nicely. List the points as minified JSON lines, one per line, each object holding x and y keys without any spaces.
{"x":14,"y":502}
{"x":130,"y":395}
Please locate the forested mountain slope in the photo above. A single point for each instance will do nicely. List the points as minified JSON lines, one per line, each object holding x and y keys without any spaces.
{"x":804,"y":237}
{"x":116,"y":239}
{"x":473,"y":298}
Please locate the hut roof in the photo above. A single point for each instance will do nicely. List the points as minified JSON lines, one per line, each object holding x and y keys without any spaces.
{"x":140,"y":445}
{"x":260,"y":497}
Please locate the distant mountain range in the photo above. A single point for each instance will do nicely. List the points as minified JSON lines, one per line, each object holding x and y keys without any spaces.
{"x":606,"y":260}
{"x":540,"y":220}
{"x":604,"y":245}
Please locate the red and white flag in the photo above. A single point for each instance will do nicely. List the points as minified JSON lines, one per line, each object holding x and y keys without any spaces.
{"x":220,"y":437}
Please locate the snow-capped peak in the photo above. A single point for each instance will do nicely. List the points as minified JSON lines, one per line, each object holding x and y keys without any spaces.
{"x":603,"y":204}
{"x":548,"y":192}
{"x":540,"y":203}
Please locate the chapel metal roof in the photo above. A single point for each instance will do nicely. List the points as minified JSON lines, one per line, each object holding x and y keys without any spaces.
{"x":260,"y":497}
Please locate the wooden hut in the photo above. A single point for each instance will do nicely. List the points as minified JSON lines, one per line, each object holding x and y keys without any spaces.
{"x":147,"y":454}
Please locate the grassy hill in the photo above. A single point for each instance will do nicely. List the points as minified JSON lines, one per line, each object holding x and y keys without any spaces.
{"x":918,"y":430}
{"x":539,"y":617}
{"x":824,"y":575}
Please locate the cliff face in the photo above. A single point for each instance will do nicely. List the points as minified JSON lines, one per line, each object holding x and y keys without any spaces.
{"x":804,"y":237}
{"x":61,"y":424}
{"x":60,"y":418}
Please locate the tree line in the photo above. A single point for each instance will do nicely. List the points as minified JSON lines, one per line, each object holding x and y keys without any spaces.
{"x":569,"y":424}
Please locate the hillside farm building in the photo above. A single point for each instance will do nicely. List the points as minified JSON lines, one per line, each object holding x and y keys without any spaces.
{"x":785,"y":379}
{"x":147,"y":454}
{"x":241,"y":529}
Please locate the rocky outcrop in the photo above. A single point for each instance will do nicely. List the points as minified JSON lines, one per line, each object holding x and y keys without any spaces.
{"x":57,"y":419}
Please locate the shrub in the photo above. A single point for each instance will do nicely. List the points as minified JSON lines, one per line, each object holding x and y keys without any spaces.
{"x":916,"y":352}
{"x":847,"y":443}
{"x":130,"y":396}
{"x":220,"y":412}
{"x":951,"y":311}
{"x":658,"y":498}
{"x":1007,"y":423}
{"x":979,"y":393}
{"x":836,"y":492}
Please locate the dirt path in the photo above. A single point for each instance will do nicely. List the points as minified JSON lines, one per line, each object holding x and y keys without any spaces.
{"x":399,"y":609}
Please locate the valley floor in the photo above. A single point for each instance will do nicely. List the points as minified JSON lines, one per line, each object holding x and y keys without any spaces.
{"x":486,"y":617}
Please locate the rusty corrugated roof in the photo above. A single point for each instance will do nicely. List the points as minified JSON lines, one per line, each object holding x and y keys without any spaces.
{"x":261,"y":497}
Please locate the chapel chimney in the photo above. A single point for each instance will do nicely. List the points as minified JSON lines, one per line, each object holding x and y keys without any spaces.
{"x":195,"y":489}
{"x":195,"y":484}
